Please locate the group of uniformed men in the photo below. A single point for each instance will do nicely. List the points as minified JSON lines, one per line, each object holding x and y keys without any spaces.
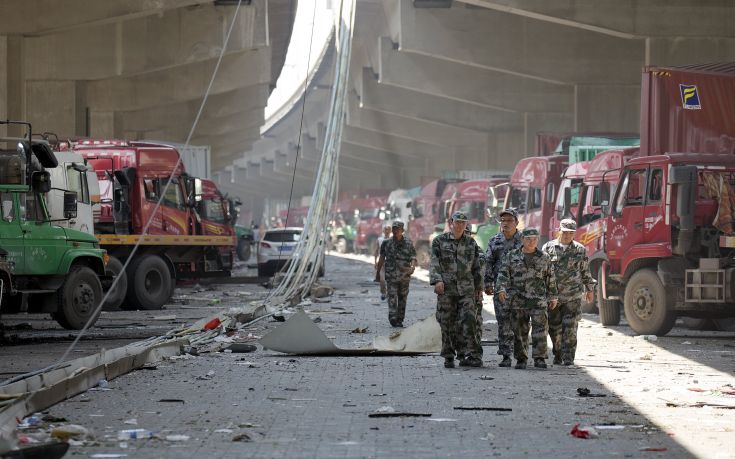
{"x":534,"y":289}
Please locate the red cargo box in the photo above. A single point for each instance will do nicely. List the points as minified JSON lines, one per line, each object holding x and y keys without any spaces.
{"x":688,"y":109}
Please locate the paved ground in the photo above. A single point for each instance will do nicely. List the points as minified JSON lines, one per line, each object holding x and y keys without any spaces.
{"x":318,"y":407}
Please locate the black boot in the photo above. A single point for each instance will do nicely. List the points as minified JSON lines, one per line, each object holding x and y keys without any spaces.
{"x":506,"y":362}
{"x":539,"y":363}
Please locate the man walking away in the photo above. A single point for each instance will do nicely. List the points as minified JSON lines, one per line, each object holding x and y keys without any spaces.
{"x":573,"y":278}
{"x":457,"y":280}
{"x":507,"y":239}
{"x":526,"y":281}
{"x":399,"y":259}
{"x":380,"y":273}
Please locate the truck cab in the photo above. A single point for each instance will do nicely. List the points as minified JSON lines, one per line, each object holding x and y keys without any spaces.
{"x":426,"y":212}
{"x":668,"y":240}
{"x":44,"y":268}
{"x":533,"y":189}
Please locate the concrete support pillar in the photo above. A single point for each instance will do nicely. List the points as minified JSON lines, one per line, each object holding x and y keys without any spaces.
{"x":3,"y":83}
{"x":15,"y":88}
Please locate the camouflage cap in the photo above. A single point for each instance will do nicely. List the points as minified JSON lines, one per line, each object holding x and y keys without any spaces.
{"x":509,"y":211}
{"x":568,"y":225}
{"x":529,"y":232}
{"x":397,"y":224}
{"x":459,"y":217}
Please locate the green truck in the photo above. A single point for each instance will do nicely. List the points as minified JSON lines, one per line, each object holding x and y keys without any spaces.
{"x":44,"y":268}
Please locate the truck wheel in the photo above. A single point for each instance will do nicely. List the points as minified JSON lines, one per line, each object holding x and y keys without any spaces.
{"x":341,"y":245}
{"x":243,"y":249}
{"x":78,"y":298}
{"x":149,"y":283}
{"x":423,"y":256}
{"x":648,"y":310}
{"x":117,"y":293}
{"x":609,"y":309}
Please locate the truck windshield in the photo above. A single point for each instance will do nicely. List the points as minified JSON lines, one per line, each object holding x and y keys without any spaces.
{"x":212,"y":210}
{"x":518,"y":199}
{"x":475,"y":210}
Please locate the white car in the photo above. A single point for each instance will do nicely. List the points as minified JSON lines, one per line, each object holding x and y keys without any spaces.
{"x":276,"y":248}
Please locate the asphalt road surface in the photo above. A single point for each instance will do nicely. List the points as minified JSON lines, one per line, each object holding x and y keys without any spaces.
{"x":663,"y":398}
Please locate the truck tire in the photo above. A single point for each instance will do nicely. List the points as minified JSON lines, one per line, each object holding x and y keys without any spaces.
{"x":149,"y":283}
{"x":648,"y":310}
{"x":79,"y":298}
{"x":423,"y":256}
{"x":609,"y":309}
{"x":243,"y":249}
{"x":117,"y":293}
{"x":341,"y":245}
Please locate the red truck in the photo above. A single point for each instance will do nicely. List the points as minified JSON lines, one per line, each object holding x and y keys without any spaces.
{"x":371,"y":217}
{"x":668,"y":237}
{"x":426,"y":211}
{"x":178,"y":244}
{"x":532,"y":192}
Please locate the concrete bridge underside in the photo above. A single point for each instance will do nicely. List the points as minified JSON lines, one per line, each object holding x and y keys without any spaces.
{"x":440,"y":86}
{"x":138,"y":69}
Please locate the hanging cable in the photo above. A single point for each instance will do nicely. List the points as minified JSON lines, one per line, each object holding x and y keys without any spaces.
{"x":93,"y":317}
{"x":309,"y":251}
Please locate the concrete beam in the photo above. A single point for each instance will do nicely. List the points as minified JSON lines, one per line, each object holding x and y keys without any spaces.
{"x":421,"y":106}
{"x":634,"y":19}
{"x":471,"y":85}
{"x":411,"y":128}
{"x":184,"y":83}
{"x":127,"y":48}
{"x":399,"y":145}
{"x":15,"y":15}
{"x":540,"y":50}
{"x":183,"y":114}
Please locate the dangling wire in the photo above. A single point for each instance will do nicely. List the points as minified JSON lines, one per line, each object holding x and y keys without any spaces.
{"x":308,"y":255}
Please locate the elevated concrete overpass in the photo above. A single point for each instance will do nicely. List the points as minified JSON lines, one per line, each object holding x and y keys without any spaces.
{"x":439,"y":86}
{"x":138,"y":69}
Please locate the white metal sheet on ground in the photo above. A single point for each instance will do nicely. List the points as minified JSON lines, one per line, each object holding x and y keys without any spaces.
{"x":299,"y":335}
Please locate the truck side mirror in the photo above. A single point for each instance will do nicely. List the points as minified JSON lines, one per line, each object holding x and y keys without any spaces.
{"x":605,"y":193}
{"x":44,"y":154}
{"x":70,"y":204}
{"x":605,"y":208}
{"x":41,"y":182}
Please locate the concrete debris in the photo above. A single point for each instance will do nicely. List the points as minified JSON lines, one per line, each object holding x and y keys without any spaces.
{"x":360,"y":330}
{"x":176,"y":438}
{"x":68,"y":431}
{"x":321,"y":291}
{"x":584,"y":392}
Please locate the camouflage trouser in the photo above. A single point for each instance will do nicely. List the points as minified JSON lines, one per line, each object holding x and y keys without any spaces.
{"x":397,"y":294}
{"x":563,"y":321}
{"x":457,"y":317}
{"x":505,"y":329}
{"x":539,"y":326}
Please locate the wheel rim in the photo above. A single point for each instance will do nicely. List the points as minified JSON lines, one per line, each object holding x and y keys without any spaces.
{"x":643,"y":302}
{"x":83,"y":299}
{"x":153,"y":282}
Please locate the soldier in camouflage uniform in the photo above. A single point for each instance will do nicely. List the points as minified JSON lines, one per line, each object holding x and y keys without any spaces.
{"x":573,"y":277}
{"x":526,"y":282}
{"x":398,"y":255}
{"x":457,"y":280}
{"x":507,"y":239}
